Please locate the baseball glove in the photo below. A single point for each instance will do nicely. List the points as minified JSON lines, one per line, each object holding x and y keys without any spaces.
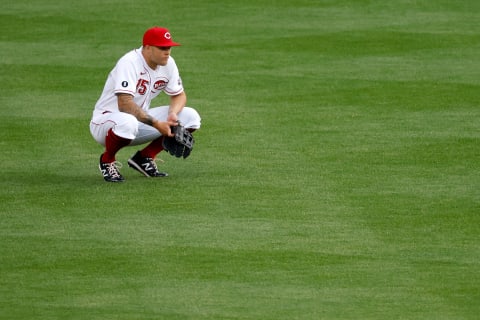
{"x":181,"y":144}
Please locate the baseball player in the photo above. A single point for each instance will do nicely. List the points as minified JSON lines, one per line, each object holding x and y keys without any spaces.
{"x":123,"y":116}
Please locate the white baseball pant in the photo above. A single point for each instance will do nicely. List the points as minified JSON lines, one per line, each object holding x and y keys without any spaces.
{"x":127,"y":126}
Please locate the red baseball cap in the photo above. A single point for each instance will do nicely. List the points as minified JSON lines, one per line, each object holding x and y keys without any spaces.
{"x":159,"y":37}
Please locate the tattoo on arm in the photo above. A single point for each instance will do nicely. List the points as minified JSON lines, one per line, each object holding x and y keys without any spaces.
{"x":148,"y":120}
{"x":142,"y":116}
{"x":126,"y":104}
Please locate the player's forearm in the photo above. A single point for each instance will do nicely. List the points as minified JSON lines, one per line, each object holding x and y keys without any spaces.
{"x":127,"y":105}
{"x":177,"y":103}
{"x":142,"y":116}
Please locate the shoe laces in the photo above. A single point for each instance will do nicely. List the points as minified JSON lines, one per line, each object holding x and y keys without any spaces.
{"x":113,"y":169}
{"x":154,"y":163}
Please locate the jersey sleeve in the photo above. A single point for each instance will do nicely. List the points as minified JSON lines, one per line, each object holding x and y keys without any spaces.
{"x":125,"y":77}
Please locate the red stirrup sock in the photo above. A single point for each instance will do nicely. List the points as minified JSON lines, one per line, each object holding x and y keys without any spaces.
{"x":154,"y":148}
{"x":113,"y":143}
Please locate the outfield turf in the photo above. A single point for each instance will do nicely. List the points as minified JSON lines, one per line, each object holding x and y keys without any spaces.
{"x":336,"y":174}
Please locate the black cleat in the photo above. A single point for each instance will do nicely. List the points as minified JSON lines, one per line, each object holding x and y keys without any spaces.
{"x":146,"y":166}
{"x":110,"y":171}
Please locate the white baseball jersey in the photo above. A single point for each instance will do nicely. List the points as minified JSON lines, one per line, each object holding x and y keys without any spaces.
{"x":133,"y":76}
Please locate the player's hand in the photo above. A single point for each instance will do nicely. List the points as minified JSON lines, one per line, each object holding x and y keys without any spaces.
{"x":164,"y":127}
{"x":172,"y":117}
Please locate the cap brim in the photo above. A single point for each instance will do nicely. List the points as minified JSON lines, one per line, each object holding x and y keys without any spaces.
{"x":166,"y":44}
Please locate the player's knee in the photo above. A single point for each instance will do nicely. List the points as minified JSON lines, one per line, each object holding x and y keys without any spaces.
{"x":126,"y":127}
{"x":190,"y":118}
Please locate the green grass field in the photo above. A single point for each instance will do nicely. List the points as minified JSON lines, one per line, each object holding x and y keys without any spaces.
{"x":336,"y":174}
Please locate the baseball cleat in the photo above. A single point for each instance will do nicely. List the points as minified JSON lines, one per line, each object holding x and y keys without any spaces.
{"x":146,"y":166}
{"x":110,"y":171}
